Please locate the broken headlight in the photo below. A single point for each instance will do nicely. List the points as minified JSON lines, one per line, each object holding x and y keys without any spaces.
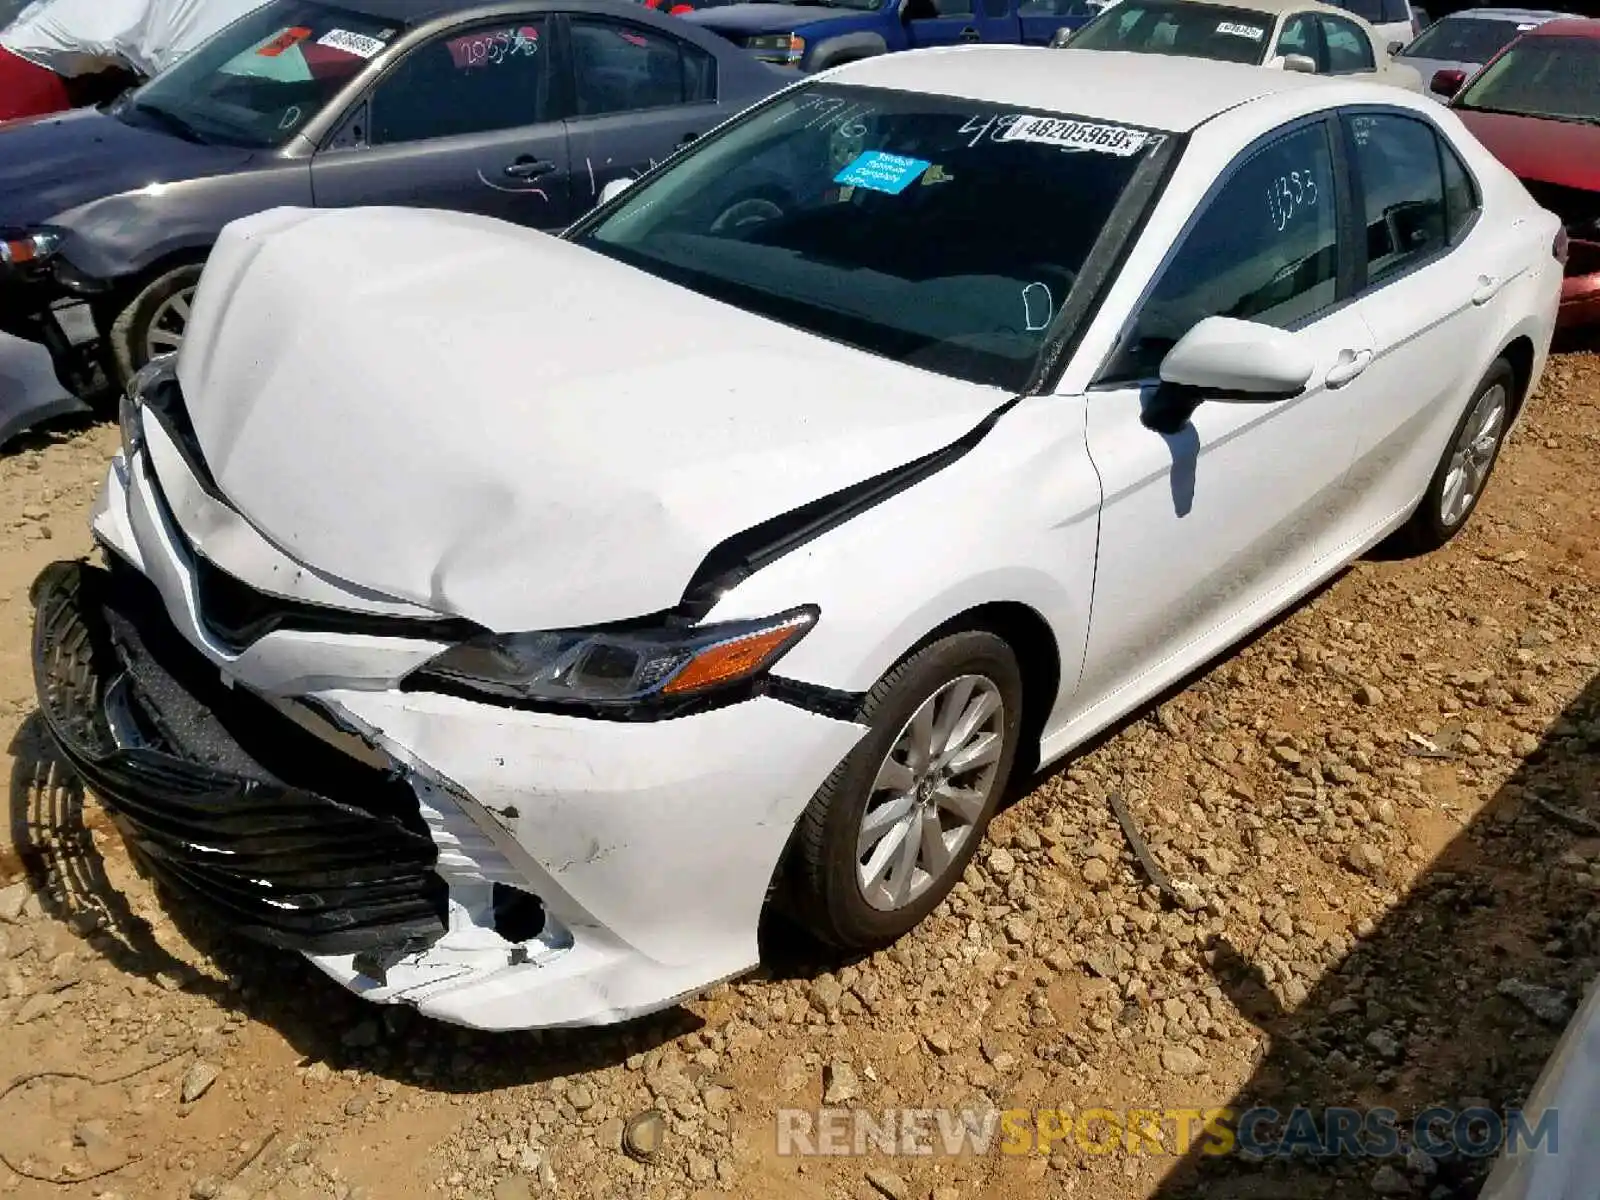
{"x":145,"y":379}
{"x":619,"y":668}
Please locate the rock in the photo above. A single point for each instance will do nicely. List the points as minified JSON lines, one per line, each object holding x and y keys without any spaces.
{"x":355,"y":1106}
{"x":826,"y":994}
{"x":717,"y":1098}
{"x":581,"y":1096}
{"x":40,"y":1005}
{"x":792,"y":1074}
{"x":1383,"y":811}
{"x":1385,"y":1044}
{"x":13,"y":899}
{"x":1287,"y":756}
{"x":1096,"y":872}
{"x":887,"y":1183}
{"x":1188,"y":895}
{"x":197,"y":1081}
{"x":1368,"y":695}
{"x":1545,"y":1003}
{"x":1389,"y":1182}
{"x":514,"y":1187}
{"x":609,"y":1135}
{"x":1180,"y":1060}
{"x":644,"y":1134}
{"x":839,"y":1083}
{"x":1365,"y":859}
{"x":939,"y":1041}
{"x":102,"y":1150}
{"x":205,"y":1188}
{"x":1018,"y":930}
{"x":1001,"y":864}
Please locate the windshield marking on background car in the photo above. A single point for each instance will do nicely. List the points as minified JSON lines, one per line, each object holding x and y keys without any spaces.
{"x":1253,"y":32}
{"x":1076,"y":135}
{"x":358,"y":44}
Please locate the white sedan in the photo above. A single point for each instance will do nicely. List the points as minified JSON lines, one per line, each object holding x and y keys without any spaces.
{"x":506,"y":620}
{"x":1291,"y":35}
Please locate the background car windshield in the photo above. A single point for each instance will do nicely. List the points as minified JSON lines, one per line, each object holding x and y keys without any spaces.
{"x":1178,"y":27}
{"x":1464,"y":39}
{"x":262,"y":78}
{"x":895,"y":222}
{"x":1541,"y":77}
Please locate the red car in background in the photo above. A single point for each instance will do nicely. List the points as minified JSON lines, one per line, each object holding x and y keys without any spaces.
{"x":1536,"y":106}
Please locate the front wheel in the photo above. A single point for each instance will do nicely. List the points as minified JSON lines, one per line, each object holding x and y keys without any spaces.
{"x":1463,"y":473}
{"x":891,"y":830}
{"x":154,"y":321}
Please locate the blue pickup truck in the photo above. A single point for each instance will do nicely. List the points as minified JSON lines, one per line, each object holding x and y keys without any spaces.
{"x":825,"y":33}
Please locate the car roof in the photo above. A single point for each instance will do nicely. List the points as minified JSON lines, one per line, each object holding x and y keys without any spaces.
{"x":1154,"y":91}
{"x":1504,"y":14}
{"x":418,"y":12}
{"x":1567,"y":27}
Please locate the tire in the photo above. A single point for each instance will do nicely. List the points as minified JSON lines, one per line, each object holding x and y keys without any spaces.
{"x":149,"y":316}
{"x":1443,"y":512}
{"x":831,"y":849}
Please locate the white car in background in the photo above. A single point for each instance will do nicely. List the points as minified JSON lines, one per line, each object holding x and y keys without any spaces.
{"x":1291,"y":35}
{"x":508,"y":648}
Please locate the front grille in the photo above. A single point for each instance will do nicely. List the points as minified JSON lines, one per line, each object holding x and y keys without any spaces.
{"x":224,"y":798}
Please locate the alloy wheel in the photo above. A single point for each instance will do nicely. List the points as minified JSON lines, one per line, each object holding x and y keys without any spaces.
{"x":930,"y":791}
{"x":1473,"y":455}
{"x":168,"y":323}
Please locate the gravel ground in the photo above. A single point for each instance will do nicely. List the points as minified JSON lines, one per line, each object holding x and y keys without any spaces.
{"x":1381,"y":811}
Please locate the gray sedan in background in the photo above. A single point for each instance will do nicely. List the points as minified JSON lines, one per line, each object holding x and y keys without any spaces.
{"x":521,"y":110}
{"x":1465,"y":40}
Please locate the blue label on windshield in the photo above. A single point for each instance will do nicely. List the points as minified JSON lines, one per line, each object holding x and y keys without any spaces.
{"x":880,"y":172}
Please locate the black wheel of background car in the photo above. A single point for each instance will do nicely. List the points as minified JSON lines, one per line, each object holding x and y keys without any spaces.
{"x":154,"y":321}
{"x":891,"y":830}
{"x":1463,"y":472}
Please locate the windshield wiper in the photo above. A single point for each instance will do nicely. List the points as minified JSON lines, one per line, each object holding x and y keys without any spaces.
{"x":171,"y":122}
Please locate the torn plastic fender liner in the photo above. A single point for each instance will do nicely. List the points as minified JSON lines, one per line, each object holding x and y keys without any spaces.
{"x":214,"y":788}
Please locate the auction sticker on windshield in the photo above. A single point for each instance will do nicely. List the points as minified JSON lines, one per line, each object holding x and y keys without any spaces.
{"x":878,"y":171}
{"x":1076,"y":135}
{"x":358,"y":44}
{"x":1233,"y":28}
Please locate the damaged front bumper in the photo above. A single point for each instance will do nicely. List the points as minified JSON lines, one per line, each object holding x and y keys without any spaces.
{"x":584,"y":871}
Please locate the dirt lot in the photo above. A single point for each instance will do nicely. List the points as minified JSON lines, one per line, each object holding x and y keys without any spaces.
{"x":1381,"y":801}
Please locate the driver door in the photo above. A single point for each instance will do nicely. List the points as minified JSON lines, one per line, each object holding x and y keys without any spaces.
{"x":461,"y":122}
{"x":1204,"y":532}
{"x":953,"y":22}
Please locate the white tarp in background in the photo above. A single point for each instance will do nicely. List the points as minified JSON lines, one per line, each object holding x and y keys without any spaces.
{"x":81,"y":37}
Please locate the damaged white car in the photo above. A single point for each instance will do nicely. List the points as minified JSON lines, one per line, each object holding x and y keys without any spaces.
{"x":506,"y":620}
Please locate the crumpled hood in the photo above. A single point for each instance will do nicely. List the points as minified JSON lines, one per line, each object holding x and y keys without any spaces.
{"x":742,"y":20}
{"x":499,"y":425}
{"x":1566,"y":153}
{"x":51,"y":165}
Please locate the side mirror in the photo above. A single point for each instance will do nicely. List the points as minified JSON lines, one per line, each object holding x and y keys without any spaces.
{"x":1302,"y":64}
{"x":1447,"y":83}
{"x":614,"y":189}
{"x":1395,"y":48}
{"x":1060,"y":38}
{"x":1229,"y":360}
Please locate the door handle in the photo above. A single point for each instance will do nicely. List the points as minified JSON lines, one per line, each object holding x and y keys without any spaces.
{"x":1488,"y":287}
{"x":970,"y":34}
{"x":1349,"y":364}
{"x":528,"y":167}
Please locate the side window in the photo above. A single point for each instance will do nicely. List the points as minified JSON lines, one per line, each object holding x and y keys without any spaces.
{"x":1298,"y":37}
{"x":489,"y":78}
{"x":623,"y":68}
{"x":1396,"y":11}
{"x":1348,"y":48}
{"x":1460,"y":196}
{"x":1265,"y":249}
{"x":1402,"y":191}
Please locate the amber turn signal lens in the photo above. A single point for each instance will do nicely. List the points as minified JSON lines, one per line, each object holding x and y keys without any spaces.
{"x":732,"y":660}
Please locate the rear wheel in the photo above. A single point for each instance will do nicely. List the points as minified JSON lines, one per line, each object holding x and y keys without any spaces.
{"x":890,"y":832}
{"x":1462,"y":474}
{"x":154,"y":321}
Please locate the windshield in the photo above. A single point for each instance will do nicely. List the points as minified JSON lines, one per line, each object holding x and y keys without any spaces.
{"x":1465,"y":39}
{"x":1541,"y":77}
{"x":262,"y":78}
{"x":1179,"y":27}
{"x":943,"y":233}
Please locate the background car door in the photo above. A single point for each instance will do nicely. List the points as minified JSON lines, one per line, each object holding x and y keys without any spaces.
{"x":1202,"y":528}
{"x":458,"y":123}
{"x":1039,"y":19}
{"x":638,"y":95}
{"x":1430,"y":274}
{"x":1345,"y":47}
{"x":951,"y":22}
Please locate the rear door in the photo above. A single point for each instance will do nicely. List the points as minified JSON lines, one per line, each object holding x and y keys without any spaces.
{"x":638,"y":95}
{"x":953,"y":22}
{"x":461,"y":122}
{"x":1428,"y":281}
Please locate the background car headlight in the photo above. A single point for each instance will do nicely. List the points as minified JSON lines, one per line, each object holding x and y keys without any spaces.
{"x":783,"y":49}
{"x":28,"y":247}
{"x":618,"y":667}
